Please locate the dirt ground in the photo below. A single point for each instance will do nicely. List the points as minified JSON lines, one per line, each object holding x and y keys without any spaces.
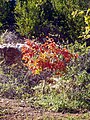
{"x":12,"y":109}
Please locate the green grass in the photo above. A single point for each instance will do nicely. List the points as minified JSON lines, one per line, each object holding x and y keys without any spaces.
{"x":85,"y":116}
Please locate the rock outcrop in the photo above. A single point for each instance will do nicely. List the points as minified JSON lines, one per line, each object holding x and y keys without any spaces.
{"x":11,"y":53}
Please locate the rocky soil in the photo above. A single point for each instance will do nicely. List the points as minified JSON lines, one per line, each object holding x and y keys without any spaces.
{"x":14,"y":109}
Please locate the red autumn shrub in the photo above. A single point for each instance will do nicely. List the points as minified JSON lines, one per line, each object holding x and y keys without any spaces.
{"x":48,"y":56}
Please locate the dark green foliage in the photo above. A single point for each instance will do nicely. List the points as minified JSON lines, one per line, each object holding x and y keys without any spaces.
{"x":43,"y":17}
{"x":26,"y":15}
{"x":50,"y":16}
{"x":7,"y":14}
{"x":10,"y":17}
{"x":69,"y":27}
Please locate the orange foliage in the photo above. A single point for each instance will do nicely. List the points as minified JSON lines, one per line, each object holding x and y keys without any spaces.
{"x":38,"y":57}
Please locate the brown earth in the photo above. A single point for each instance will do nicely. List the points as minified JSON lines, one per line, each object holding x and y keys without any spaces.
{"x":12,"y":109}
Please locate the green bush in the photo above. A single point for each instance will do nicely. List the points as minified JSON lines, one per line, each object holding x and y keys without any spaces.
{"x":66,"y":95}
{"x":86,"y":33}
{"x":69,"y":27}
{"x":26,"y":15}
{"x":49,"y":16}
{"x":70,"y":93}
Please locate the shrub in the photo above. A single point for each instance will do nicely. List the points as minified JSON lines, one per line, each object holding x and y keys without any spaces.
{"x":26,"y":15}
{"x":47,"y":56}
{"x":66,"y":95}
{"x":86,"y":34}
{"x":32,"y":18}
{"x":71,"y":92}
